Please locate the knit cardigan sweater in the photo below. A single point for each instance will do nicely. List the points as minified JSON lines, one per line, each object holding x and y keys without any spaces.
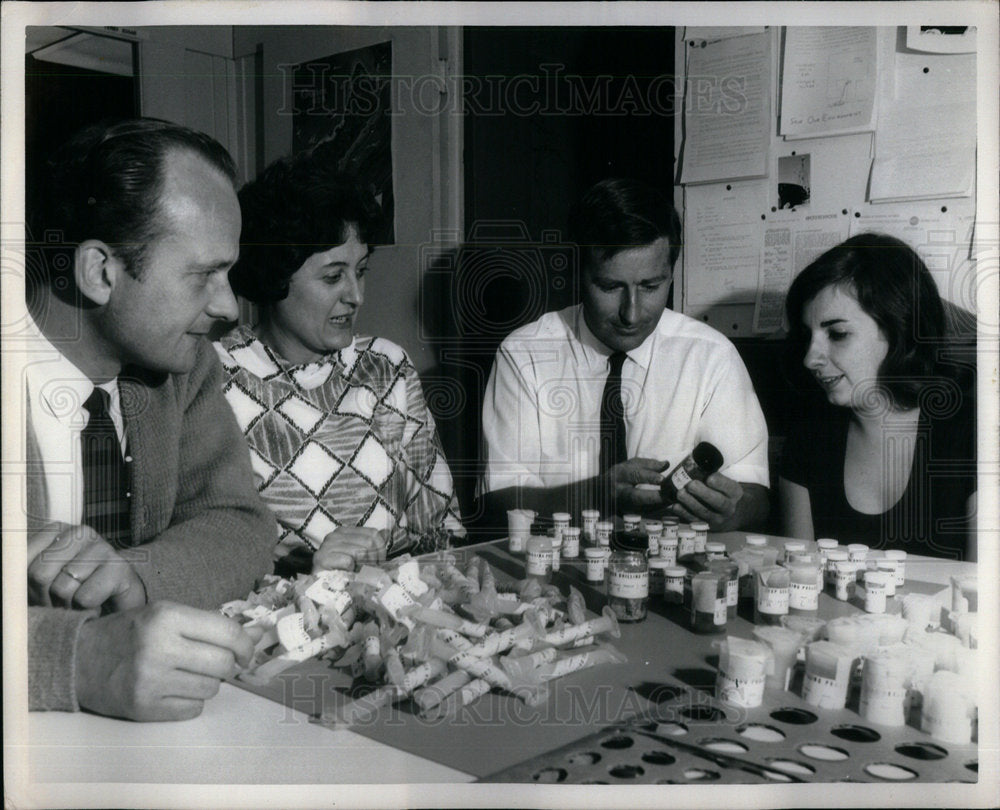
{"x":200,"y":533}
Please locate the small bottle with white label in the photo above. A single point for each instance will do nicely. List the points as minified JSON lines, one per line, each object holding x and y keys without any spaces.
{"x":630,"y":522}
{"x":604,"y":529}
{"x":731,"y":571}
{"x":673,"y":584}
{"x":654,"y":533}
{"x":771,"y":595}
{"x":715,"y":550}
{"x":704,"y":460}
{"x":571,"y":542}
{"x":628,"y":585}
{"x":803,"y":591}
{"x":700,"y":529}
{"x":685,"y":543}
{"x":589,"y":518}
{"x":538,"y":559}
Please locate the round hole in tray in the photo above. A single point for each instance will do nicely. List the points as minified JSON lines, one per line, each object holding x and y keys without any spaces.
{"x":758,"y":732}
{"x":827,"y":753}
{"x":776,"y":776}
{"x":723,"y":746}
{"x":671,"y":729}
{"x":584,"y":758}
{"x":700,"y":775}
{"x":617,"y":742}
{"x":794,"y":717}
{"x":626,"y":771}
{"x":659,"y":758}
{"x":791,"y":766}
{"x":549,"y":776}
{"x":973,"y":766}
{"x":890,"y":772}
{"x":703,"y":713}
{"x":921,"y":750}
{"x":856,"y":734}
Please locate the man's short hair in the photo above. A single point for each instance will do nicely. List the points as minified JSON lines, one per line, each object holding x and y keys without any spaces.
{"x":619,"y":214}
{"x":105,"y":183}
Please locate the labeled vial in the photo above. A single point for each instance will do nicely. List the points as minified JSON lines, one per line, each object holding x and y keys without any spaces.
{"x":589,"y":519}
{"x":754,"y":541}
{"x":704,"y":460}
{"x":793,"y":547}
{"x":825,"y":545}
{"x":700,"y":530}
{"x":875,"y":585}
{"x":685,"y":543}
{"x":708,"y":602}
{"x":595,"y":564}
{"x":900,"y":557}
{"x":631,"y":522}
{"x":657,"y":578}
{"x":889,"y":566}
{"x":668,"y":549}
{"x":803,"y":588}
{"x":538,"y":562}
{"x":771,"y":595}
{"x":654,"y":531}
{"x":832,"y":558}
{"x":673,"y":584}
{"x":560,"y":520}
{"x":857,"y":552}
{"x":731,"y":571}
{"x":714,"y":550}
{"x":571,"y":542}
{"x":628,"y":585}
{"x":670,"y":527}
{"x":845,"y":575}
{"x":604,"y":529}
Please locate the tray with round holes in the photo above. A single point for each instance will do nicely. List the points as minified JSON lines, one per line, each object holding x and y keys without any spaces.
{"x":691,"y":741}
{"x":687,"y":736}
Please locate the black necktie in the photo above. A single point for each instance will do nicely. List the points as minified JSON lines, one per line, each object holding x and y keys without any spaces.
{"x":105,"y":474}
{"x":613,"y":448}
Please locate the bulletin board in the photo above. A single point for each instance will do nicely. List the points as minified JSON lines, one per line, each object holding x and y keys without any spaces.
{"x":794,"y":139}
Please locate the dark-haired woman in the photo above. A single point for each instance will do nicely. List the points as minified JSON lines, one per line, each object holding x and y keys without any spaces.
{"x":889,"y":459}
{"x":344,"y":449}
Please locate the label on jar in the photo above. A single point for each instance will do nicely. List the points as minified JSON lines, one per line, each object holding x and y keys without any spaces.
{"x":571,"y":546}
{"x":773,"y":601}
{"x":680,"y":478}
{"x":517,"y":543}
{"x":748,"y":693}
{"x":595,"y":569}
{"x":539,"y":563}
{"x":803,"y":596}
{"x":685,"y":546}
{"x":843,"y":583}
{"x":883,"y":706}
{"x":825,"y":693}
{"x":732,"y":592}
{"x":674,"y":585}
{"x":628,"y":584}
{"x":654,"y":545}
{"x":874,"y":598}
{"x":720,"y":615}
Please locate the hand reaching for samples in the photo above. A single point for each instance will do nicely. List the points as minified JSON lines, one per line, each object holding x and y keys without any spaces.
{"x":158,"y":662}
{"x":349,"y":546}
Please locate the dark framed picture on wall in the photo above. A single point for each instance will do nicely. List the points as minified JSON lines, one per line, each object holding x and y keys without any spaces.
{"x":342,"y":109}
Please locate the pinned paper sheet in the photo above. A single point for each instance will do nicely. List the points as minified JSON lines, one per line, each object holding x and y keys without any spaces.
{"x":790,"y":244}
{"x":827,"y":80}
{"x":727,"y":109}
{"x":941,"y":238}
{"x":722,"y":232}
{"x":925,"y":145}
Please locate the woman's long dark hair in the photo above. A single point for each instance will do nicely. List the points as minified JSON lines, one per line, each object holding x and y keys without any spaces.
{"x":894,"y":287}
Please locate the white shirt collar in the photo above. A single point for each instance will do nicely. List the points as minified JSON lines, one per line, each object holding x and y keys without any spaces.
{"x":597,"y":353}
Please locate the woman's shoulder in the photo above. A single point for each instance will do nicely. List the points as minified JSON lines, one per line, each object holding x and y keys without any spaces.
{"x":381,"y":351}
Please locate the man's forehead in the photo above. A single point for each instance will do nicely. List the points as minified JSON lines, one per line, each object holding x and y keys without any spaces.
{"x":641,"y":262}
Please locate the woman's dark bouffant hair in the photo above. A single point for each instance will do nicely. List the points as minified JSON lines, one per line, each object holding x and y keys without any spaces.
{"x":893,"y":286}
{"x":296,"y":207}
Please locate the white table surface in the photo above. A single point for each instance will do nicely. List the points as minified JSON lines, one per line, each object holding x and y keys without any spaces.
{"x":242,"y":738}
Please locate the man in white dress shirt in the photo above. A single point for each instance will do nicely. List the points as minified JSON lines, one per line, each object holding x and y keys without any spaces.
{"x":682,"y":383}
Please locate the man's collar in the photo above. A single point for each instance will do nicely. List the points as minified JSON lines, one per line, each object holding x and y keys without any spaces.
{"x":597,"y":353}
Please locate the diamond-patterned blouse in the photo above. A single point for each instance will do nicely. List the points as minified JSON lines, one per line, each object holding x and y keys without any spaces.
{"x":344,"y":441}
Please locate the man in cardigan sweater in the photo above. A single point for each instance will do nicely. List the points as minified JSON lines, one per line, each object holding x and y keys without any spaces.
{"x":149,"y":224}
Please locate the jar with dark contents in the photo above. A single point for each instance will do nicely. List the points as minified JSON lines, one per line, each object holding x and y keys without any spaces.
{"x":628,"y":585}
{"x":708,"y":602}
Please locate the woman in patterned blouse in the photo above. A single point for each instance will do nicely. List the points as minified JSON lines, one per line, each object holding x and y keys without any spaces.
{"x":344,"y":449}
